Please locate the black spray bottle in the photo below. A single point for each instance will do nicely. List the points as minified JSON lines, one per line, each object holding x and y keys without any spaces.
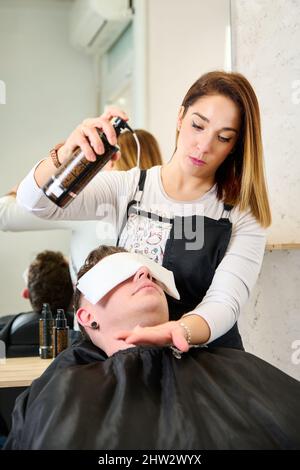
{"x":45,"y":332}
{"x":60,"y":333}
{"x":76,"y":172}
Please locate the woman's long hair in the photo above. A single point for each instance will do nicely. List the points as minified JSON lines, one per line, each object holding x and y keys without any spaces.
{"x":240,"y":178}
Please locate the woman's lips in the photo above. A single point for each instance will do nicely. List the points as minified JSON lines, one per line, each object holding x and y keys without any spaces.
{"x":197,"y":162}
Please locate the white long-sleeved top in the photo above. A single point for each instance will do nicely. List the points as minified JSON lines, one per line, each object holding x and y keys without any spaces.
{"x":84,"y":235}
{"x":106,"y":198}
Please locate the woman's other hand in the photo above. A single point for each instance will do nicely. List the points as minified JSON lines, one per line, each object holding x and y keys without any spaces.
{"x":170,"y":333}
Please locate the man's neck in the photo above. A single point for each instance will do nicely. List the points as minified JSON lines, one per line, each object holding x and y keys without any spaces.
{"x":114,"y":345}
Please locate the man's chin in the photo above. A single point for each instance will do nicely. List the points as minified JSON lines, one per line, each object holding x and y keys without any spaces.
{"x":153,"y":319}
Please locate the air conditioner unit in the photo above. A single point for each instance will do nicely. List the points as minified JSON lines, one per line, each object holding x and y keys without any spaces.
{"x":96,"y":24}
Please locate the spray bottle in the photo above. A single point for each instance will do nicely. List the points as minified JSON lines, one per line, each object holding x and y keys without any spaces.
{"x":76,"y":172}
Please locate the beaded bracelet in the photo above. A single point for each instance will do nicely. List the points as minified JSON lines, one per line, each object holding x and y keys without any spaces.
{"x":188,"y":334}
{"x":54,"y":156}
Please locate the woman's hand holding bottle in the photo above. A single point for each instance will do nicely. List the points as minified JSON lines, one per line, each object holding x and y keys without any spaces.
{"x":85,"y":137}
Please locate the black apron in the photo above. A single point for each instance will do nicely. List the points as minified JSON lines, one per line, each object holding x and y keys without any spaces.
{"x":193,"y":269}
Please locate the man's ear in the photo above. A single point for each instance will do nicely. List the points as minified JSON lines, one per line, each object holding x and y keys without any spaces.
{"x":25,"y":293}
{"x":84,"y":317}
{"x":179,"y":117}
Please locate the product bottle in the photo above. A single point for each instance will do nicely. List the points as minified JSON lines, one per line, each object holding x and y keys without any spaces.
{"x":60,"y":333}
{"x":76,"y":172}
{"x":45,"y":332}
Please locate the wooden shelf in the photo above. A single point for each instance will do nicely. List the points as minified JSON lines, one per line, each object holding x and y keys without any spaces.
{"x":21,"y":371}
{"x":282,"y":246}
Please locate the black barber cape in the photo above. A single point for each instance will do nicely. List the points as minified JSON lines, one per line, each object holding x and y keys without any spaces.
{"x":146,"y":398}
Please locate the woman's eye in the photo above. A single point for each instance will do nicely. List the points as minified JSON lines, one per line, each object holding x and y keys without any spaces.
{"x":224,"y":139}
{"x":195,"y":126}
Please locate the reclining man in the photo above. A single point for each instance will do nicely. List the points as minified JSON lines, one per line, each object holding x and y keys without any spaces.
{"x":105,"y":393}
{"x":142,"y":299}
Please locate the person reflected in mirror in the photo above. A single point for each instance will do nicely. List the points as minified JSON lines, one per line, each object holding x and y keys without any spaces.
{"x":47,"y":280}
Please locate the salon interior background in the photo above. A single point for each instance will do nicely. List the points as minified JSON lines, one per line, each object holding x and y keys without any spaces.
{"x":51,"y":86}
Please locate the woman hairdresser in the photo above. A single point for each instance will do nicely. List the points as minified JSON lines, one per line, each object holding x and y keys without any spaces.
{"x":202,"y":215}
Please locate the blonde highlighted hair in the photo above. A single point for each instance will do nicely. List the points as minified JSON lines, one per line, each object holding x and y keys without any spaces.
{"x":150,"y":153}
{"x":240,"y":178}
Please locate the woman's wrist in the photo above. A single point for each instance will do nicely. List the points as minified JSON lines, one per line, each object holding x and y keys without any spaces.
{"x":54,"y":155}
{"x":196,"y":329}
{"x":187,"y":332}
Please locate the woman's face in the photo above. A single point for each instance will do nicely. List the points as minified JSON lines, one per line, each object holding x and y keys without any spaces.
{"x":207,"y":134}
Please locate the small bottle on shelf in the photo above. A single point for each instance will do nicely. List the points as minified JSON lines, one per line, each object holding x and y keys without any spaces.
{"x":60,"y":333}
{"x":46,"y":323}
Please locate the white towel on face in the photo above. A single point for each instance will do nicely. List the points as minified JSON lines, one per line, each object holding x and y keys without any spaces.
{"x":116,"y":268}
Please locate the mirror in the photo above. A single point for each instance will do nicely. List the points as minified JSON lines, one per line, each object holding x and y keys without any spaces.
{"x":50,"y":87}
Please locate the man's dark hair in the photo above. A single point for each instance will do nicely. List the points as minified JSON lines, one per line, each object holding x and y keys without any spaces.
{"x":49,"y":281}
{"x":93,"y":258}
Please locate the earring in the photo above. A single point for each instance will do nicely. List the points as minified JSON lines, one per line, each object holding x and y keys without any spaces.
{"x":94,"y":325}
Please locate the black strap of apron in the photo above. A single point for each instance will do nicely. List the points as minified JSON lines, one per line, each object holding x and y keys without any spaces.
{"x":139,"y":191}
{"x":226,"y":208}
{"x":142,"y":180}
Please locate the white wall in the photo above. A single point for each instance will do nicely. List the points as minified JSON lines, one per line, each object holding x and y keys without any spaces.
{"x":266,"y":48}
{"x":266,"y":39}
{"x":270,"y":324}
{"x":185,"y":39}
{"x":49,"y":89}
